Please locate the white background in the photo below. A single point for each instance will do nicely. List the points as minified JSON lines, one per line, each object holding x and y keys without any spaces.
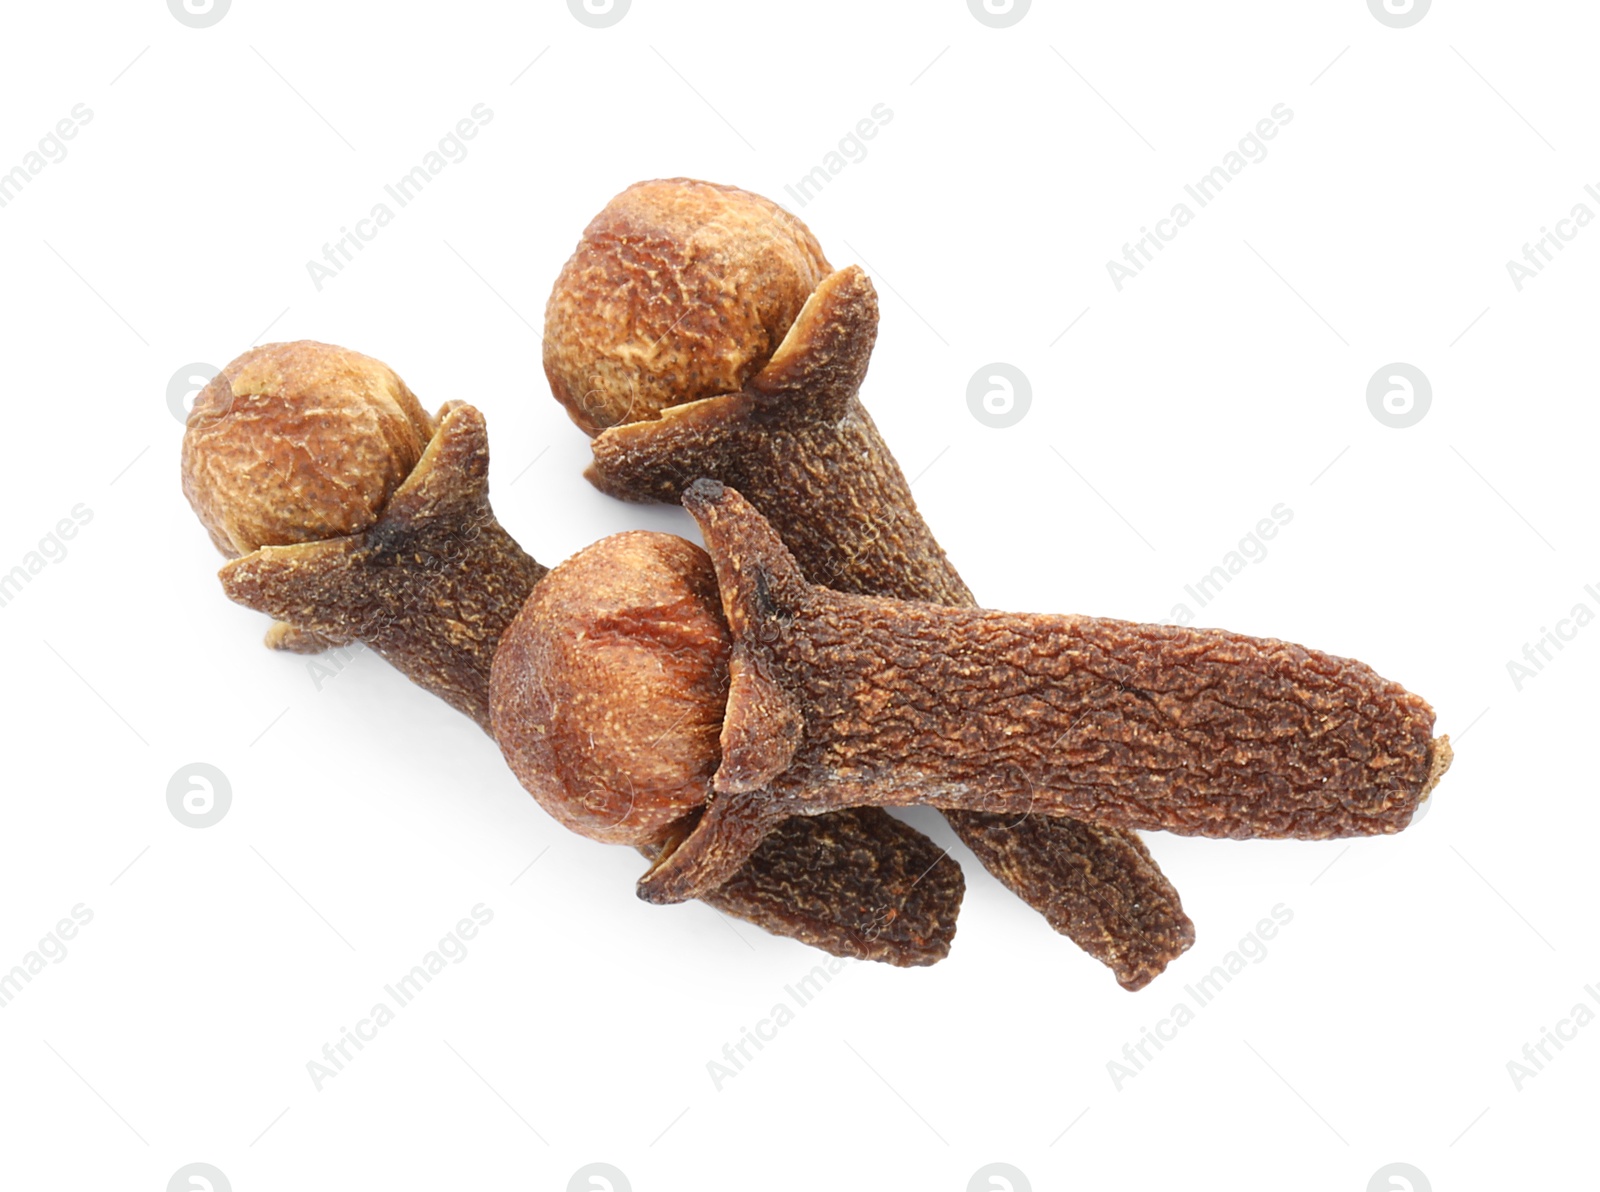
{"x":367,"y":817}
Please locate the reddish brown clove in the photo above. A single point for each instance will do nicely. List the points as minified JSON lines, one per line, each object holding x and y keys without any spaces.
{"x":626,"y":707}
{"x":430,"y":580}
{"x":790,"y":432}
{"x":842,"y":700}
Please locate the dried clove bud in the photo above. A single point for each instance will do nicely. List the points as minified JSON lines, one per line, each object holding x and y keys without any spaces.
{"x":788,"y":430}
{"x":431,"y":581}
{"x":716,"y":277}
{"x":297,"y":442}
{"x":842,"y":700}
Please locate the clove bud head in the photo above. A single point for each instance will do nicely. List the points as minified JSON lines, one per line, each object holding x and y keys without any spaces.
{"x":679,"y":290}
{"x":607,"y":691}
{"x":299,"y":442}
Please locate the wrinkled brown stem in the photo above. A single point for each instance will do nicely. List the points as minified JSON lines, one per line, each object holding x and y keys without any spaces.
{"x":800,"y":446}
{"x":856,"y":882}
{"x":841,"y":700}
{"x":432,"y":588}
{"x":1098,"y":886}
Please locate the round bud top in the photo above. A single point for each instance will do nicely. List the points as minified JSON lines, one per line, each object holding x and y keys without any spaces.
{"x":679,"y":290}
{"x":608,"y":690}
{"x":299,"y":442}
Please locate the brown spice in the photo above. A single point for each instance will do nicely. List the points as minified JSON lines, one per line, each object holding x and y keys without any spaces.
{"x":431,"y":582}
{"x":844,"y":700}
{"x":795,"y":439}
{"x":1194,"y":731}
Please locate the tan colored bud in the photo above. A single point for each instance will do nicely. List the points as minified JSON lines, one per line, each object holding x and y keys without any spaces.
{"x":299,"y":442}
{"x":678,"y":290}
